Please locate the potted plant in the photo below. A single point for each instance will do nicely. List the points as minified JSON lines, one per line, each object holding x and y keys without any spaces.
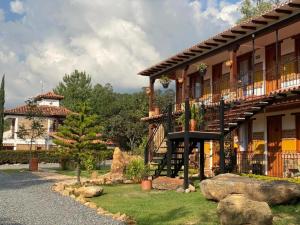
{"x":146,"y":183}
{"x":229,"y":63}
{"x":180,"y":79}
{"x":148,"y":90}
{"x":196,"y":118}
{"x":165,"y":81}
{"x":202,"y":68}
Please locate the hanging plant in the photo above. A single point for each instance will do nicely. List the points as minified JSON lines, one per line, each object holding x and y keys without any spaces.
{"x":229,"y":63}
{"x":148,"y":90}
{"x":202,"y":68}
{"x":165,"y":81}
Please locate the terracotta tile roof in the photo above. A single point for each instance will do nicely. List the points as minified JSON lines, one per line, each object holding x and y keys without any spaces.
{"x":287,"y":9}
{"x":51,"y":111}
{"x":49,"y":95}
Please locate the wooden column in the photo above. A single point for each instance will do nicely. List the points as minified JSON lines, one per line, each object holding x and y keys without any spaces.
{"x":169,"y":142}
{"x":253,"y":62}
{"x":233,"y":68}
{"x":277,"y":59}
{"x":186,"y":143}
{"x":185,"y":85}
{"x":222,"y":154}
{"x":201,"y":160}
{"x":151,"y":95}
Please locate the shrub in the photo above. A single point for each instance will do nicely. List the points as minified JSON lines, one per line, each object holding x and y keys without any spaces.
{"x":136,"y":170}
{"x":53,"y":156}
{"x":89,"y":161}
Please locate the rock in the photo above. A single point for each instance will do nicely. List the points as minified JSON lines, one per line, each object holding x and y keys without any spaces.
{"x":81,"y":199}
{"x":192,"y":188}
{"x":92,"y":205}
{"x":94,"y":175}
{"x":180,"y":190}
{"x":187,"y":190}
{"x":58,"y":187}
{"x":128,"y":182}
{"x":89,"y":192}
{"x":119,"y":162}
{"x":236,"y":209}
{"x":272,"y":192}
{"x":167,"y":183}
{"x":65,"y":193}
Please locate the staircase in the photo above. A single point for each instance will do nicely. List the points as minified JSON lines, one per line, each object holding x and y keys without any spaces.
{"x":235,"y":114}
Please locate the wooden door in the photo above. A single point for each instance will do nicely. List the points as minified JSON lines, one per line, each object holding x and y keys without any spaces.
{"x":216,"y":81}
{"x":274,"y":142}
{"x":298,"y":132}
{"x":271,"y":76}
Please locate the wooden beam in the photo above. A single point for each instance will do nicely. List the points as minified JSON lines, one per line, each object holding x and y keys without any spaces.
{"x":183,"y":56}
{"x":171,"y":62}
{"x":238,"y":32}
{"x":197,"y":51}
{"x":178,"y":60}
{"x":271,"y":17}
{"x":259,"y":22}
{"x":284,"y":11}
{"x":211,"y":44}
{"x":189,"y":54}
{"x":228,"y":36}
{"x":248,"y":27}
{"x":203,"y":47}
{"x":219,"y":40}
{"x":294,"y":5}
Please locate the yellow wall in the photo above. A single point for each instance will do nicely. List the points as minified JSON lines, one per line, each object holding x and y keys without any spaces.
{"x":289,"y":145}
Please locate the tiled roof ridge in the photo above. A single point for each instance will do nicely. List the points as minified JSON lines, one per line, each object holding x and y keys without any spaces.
{"x":49,"y":95}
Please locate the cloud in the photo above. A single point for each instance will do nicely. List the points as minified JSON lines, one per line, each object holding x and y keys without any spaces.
{"x":17,"y":7}
{"x":110,"y":40}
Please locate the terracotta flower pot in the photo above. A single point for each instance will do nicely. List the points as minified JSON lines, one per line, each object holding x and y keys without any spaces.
{"x":146,"y":185}
{"x":193,"y":124}
{"x":34,"y":164}
{"x":156,"y":111}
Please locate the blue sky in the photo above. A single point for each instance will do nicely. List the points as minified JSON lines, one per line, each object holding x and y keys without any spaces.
{"x":112,"y":40}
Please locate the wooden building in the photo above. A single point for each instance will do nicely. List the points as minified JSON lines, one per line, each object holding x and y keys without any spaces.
{"x":249,"y":97}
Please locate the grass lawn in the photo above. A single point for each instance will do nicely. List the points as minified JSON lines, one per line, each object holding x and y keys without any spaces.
{"x":170,"y":207}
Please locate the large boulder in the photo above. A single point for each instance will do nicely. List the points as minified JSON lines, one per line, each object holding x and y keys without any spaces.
{"x":89,"y":191}
{"x":238,"y":210}
{"x":119,"y":162}
{"x":167,"y":183}
{"x":272,"y":192}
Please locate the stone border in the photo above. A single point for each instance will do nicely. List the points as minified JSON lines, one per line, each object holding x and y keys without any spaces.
{"x":68,"y":191}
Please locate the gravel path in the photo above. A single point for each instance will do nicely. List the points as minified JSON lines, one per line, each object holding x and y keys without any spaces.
{"x":26,"y":199}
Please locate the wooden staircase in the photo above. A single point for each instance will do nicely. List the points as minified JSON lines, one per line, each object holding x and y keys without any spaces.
{"x":235,"y":113}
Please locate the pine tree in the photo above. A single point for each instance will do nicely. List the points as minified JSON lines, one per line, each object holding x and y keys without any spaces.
{"x":2,"y":102}
{"x":78,"y":136}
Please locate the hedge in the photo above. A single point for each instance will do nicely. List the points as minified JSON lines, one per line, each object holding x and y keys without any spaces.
{"x":20,"y":156}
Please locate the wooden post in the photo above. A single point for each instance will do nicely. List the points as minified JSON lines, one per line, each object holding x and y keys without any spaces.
{"x":186,"y":143}
{"x":151,"y":95}
{"x":185,"y":89}
{"x":169,"y":143}
{"x":277,"y":59}
{"x":253,"y":62}
{"x":202,"y":114}
{"x":201,"y":160}
{"x":222,"y":154}
{"x":233,"y":69}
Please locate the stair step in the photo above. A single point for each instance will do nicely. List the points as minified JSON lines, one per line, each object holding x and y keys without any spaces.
{"x":263,"y":103}
{"x":248,"y":113}
{"x":232,"y":124}
{"x":255,"y":108}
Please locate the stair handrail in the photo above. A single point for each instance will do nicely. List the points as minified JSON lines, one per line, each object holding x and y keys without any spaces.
{"x":154,"y":132}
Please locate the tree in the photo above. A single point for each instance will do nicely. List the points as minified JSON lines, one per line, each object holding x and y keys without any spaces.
{"x":249,"y":9}
{"x":76,"y":88}
{"x":79,"y":135}
{"x":35,"y":129}
{"x":2,"y":102}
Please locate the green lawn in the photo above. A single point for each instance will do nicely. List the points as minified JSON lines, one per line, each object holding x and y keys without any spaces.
{"x":172,"y":208}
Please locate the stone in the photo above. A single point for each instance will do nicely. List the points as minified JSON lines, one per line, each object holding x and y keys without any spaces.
{"x":94,"y":175}
{"x":272,"y":192}
{"x":89,"y":192}
{"x":187,"y":190}
{"x":236,"y":209}
{"x":180,"y":190}
{"x":92,"y":205}
{"x":58,"y":187}
{"x":119,"y":162}
{"x":167,"y":183}
{"x":128,"y":182}
{"x":65,"y":193}
{"x":192,"y":188}
{"x":81,"y":199}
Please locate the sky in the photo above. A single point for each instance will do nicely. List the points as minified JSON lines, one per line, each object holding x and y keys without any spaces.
{"x":112,"y":40}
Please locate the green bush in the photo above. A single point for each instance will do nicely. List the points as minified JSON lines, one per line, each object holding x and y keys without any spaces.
{"x":53,"y":156}
{"x":136,"y":170}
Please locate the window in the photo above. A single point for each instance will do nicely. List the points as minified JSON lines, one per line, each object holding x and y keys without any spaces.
{"x":195,"y":86}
